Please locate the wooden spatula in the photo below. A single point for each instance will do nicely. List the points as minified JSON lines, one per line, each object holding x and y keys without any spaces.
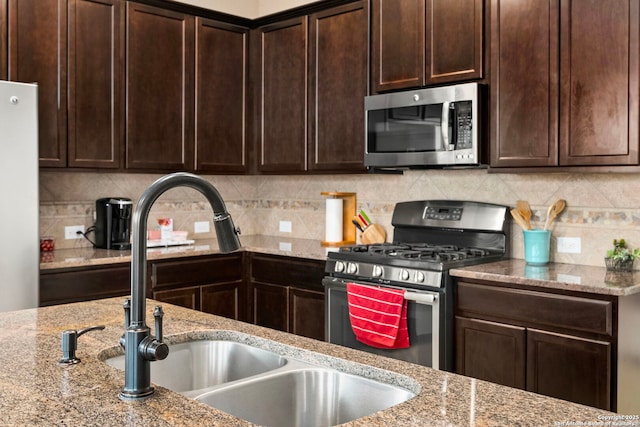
{"x":553,"y":211}
{"x":525,"y":211}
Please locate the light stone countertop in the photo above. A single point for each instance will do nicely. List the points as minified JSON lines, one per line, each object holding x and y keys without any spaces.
{"x":35,"y":390}
{"x":83,"y":257}
{"x":570,"y":277}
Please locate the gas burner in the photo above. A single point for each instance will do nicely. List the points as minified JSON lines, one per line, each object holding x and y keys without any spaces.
{"x":391,"y":250}
{"x":357,"y":248}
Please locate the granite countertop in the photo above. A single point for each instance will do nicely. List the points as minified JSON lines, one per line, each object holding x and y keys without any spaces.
{"x":83,"y":257}
{"x":35,"y":390}
{"x":571,"y":277}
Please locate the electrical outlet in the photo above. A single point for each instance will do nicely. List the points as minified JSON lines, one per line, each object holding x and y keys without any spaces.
{"x":285,"y":226}
{"x":201,"y":227}
{"x":569,"y":245}
{"x":71,"y":232}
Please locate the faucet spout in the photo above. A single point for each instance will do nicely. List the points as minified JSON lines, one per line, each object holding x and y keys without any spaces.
{"x":140,"y":348}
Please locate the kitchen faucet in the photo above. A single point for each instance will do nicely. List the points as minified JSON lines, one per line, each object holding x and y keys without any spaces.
{"x":140,"y":347}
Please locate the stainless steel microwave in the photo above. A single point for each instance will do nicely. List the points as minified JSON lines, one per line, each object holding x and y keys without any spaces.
{"x":426,"y":128}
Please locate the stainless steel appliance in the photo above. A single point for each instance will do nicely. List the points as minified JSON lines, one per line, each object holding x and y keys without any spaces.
{"x":19,"y":246}
{"x":430,"y":238}
{"x":427,"y":128}
{"x":113,"y":223}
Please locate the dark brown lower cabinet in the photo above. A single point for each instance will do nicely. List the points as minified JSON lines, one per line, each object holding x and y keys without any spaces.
{"x":287,"y":294}
{"x":279,"y":292}
{"x":491,"y":351}
{"x":306,"y":313}
{"x":84,"y":284}
{"x":270,"y":305}
{"x":213,"y":284}
{"x":558,"y":345}
{"x":569,"y":368}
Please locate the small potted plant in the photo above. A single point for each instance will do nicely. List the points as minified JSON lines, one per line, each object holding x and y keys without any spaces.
{"x":621,"y":258}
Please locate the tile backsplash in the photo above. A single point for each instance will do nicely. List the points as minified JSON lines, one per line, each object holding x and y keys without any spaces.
{"x":600,"y":207}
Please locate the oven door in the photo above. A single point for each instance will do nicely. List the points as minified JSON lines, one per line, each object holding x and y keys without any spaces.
{"x":423,"y":322}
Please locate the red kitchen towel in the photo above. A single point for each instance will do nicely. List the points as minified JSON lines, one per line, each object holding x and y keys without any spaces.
{"x":378,"y":316}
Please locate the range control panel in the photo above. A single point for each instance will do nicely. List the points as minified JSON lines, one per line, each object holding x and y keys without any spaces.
{"x":443,"y":213}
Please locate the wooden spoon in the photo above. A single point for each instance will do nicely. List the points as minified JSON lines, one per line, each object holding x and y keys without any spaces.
{"x":525,"y":211}
{"x":517,"y":216}
{"x":553,"y":211}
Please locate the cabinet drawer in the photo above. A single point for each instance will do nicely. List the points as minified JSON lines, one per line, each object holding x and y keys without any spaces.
{"x":526,"y":308}
{"x":84,"y":284}
{"x":197,"y":270}
{"x":287,"y":271}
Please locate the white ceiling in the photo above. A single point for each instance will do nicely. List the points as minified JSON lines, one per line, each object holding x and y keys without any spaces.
{"x":251,"y":9}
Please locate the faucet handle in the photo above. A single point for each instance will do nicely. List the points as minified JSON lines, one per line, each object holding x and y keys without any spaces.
{"x":70,"y":344}
{"x":157,"y":315}
{"x":127,"y":312}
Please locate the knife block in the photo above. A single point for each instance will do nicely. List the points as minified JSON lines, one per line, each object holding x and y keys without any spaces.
{"x":348,"y":212}
{"x":374,"y":233}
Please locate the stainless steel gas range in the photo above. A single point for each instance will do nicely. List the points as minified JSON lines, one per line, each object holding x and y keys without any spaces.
{"x":430,"y":237}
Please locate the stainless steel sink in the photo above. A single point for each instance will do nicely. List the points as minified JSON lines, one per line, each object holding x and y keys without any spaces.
{"x":197,"y":365}
{"x":305,"y":397}
{"x":270,"y":383}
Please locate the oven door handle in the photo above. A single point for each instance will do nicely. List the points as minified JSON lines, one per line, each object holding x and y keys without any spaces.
{"x":428,"y":299}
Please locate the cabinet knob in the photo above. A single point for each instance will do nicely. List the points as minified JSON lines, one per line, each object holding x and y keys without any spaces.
{"x":416,"y":97}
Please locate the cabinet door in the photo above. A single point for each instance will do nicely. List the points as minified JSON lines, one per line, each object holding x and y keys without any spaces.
{"x":184,"y":297}
{"x":307,"y":313}
{"x":159,"y":130}
{"x":38,"y":53}
{"x":454,"y":40}
{"x":84,"y":284}
{"x":524,"y":82}
{"x":570,"y":368}
{"x":599,"y":82}
{"x":96,"y":83}
{"x":3,"y":40}
{"x":338,"y":85}
{"x":221,"y":96}
{"x":270,"y":306}
{"x":397,"y":44}
{"x":491,"y":351}
{"x":283,"y":97}
{"x":223,"y":300}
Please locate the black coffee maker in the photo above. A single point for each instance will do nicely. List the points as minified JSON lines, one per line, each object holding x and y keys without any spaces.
{"x":113,"y":223}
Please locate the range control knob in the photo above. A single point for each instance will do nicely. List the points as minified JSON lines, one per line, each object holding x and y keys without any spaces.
{"x":377,"y":271}
{"x":404,"y":275}
{"x":352,"y":268}
{"x":420,"y":276}
{"x":339,"y":267}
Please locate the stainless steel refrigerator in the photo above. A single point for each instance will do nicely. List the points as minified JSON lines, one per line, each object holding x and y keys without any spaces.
{"x":19,"y":197}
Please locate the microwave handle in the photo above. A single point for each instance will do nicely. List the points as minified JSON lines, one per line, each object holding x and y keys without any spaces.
{"x":444,"y":127}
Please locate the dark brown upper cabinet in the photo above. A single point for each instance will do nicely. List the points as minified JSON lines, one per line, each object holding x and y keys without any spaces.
{"x":96,"y":83}
{"x":37,"y":48}
{"x":417,"y":43}
{"x":312,"y":81}
{"x":337,"y":87}
{"x":3,"y":40}
{"x":221,"y":97}
{"x":160,"y":89}
{"x":564,"y":83}
{"x":282,"y":98}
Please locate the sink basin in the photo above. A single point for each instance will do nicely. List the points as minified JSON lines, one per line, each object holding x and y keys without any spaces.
{"x":305,"y":397}
{"x":270,"y":383}
{"x":196,"y":365}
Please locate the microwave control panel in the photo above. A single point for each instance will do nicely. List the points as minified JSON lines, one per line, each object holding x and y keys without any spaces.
{"x":463,"y":125}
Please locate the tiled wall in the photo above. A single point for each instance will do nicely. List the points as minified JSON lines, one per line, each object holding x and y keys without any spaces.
{"x":600,"y":207}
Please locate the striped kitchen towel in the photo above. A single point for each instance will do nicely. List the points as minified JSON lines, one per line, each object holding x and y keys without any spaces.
{"x":378,"y":316}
